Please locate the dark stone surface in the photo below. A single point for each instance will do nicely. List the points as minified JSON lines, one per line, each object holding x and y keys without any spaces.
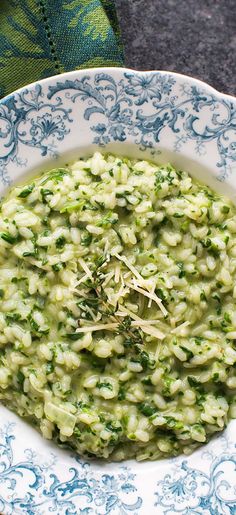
{"x":194,"y":37}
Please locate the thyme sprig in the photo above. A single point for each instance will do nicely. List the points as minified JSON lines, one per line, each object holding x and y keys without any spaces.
{"x":95,"y":286}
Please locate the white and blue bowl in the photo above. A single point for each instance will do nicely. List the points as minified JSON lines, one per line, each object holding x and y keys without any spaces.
{"x":160,"y":116}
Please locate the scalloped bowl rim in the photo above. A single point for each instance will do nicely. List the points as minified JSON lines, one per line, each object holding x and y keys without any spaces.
{"x":141,"y":470}
{"x":121,"y":69}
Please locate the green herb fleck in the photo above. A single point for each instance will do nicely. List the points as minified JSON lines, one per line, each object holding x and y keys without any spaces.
{"x":74,"y":336}
{"x":20,"y":377}
{"x":181,"y":270}
{"x":225,"y":209}
{"x":6,"y":236}
{"x":122,"y":393}
{"x":45,"y":193}
{"x":193,"y":382}
{"x":60,"y":242}
{"x":49,"y":368}
{"x":56,"y":175}
{"x":104,"y":385}
{"x":86,"y":239}
{"x":188,"y":352}
{"x":58,"y":266}
{"x":25,"y":192}
{"x":112,"y":426}
{"x":147,"y":409}
{"x":109,"y":219}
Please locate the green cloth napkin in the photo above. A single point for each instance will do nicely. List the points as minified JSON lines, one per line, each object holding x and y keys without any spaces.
{"x":39,"y":38}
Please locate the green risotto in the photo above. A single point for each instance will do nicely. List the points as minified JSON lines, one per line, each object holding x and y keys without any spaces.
{"x":117,"y":308}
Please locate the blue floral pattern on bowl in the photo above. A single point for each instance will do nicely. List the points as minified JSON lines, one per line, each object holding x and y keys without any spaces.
{"x":34,"y":480}
{"x":145,"y":109}
{"x":158,"y":115}
{"x":189,"y":490}
{"x":46,"y":492}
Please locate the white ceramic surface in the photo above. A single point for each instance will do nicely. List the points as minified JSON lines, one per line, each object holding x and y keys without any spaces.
{"x":158,"y":115}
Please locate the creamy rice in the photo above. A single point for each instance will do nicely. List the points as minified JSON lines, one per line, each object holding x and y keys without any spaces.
{"x":117,"y":308}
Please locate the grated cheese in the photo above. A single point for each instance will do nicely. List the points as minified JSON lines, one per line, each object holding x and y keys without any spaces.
{"x":85,"y":267}
{"x":143,"y":282}
{"x":90,"y":311}
{"x":145,"y":324}
{"x":152,"y":291}
{"x":184,"y":324}
{"x":100,"y":327}
{"x":81,"y":293}
{"x":129,"y":265}
{"x":117,"y":273}
{"x":152,"y":296}
{"x":108,"y":278}
{"x":152,"y":331}
{"x":82,"y":279}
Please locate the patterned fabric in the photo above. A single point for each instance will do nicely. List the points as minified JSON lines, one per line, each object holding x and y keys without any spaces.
{"x":39,"y":38}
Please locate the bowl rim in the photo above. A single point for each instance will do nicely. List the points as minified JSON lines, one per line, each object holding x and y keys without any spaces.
{"x":141,"y":473}
{"x":107,"y":69}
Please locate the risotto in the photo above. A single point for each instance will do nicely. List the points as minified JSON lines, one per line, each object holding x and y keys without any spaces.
{"x":117,"y":308}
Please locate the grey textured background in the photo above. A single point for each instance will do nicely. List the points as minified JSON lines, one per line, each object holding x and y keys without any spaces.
{"x":194,"y":37}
